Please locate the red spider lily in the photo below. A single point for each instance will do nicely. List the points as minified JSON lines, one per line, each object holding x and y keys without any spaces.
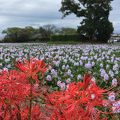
{"x":12,"y":90}
{"x":32,"y":67}
{"x":36,"y":114}
{"x":78,"y":102}
{"x":87,"y":80}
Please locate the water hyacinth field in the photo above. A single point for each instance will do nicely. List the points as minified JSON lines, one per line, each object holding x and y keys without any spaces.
{"x":69,"y":63}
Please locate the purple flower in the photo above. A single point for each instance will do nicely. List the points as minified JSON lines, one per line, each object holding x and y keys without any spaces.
{"x":114,"y":82}
{"x":49,"y":78}
{"x":58,"y":83}
{"x":69,"y":72}
{"x":81,"y":63}
{"x":106,"y":77}
{"x":62,"y":86}
{"x":116,"y":107}
{"x":88,"y":65}
{"x":111,"y":96}
{"x":68,"y":80}
{"x":93,"y":63}
{"x":79,"y":77}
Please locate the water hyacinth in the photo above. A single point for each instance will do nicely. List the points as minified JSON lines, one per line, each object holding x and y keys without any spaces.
{"x":49,"y":78}
{"x":69,"y":72}
{"x":111,"y":96}
{"x":88,"y":65}
{"x":68,"y":80}
{"x":106,"y":77}
{"x":53,"y":72}
{"x":116,"y":107}
{"x":114,"y":82}
{"x":79,"y":77}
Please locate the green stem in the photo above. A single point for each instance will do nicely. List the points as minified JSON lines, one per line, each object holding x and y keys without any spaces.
{"x":10,"y":112}
{"x":18,"y":115}
{"x":30,"y":105}
{"x":5,"y":111}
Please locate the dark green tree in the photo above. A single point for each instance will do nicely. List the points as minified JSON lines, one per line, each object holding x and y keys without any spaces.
{"x":68,"y":31}
{"x":16,"y":34}
{"x":95,"y":17}
{"x":50,"y":29}
{"x":11,"y":34}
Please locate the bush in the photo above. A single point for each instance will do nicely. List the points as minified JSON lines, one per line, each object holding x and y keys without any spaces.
{"x":63,"y":38}
{"x":73,"y":38}
{"x":44,"y":39}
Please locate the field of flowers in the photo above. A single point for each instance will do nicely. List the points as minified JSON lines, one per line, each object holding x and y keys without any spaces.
{"x":88,"y":65}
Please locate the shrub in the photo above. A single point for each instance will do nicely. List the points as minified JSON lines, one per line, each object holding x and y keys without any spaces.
{"x":65,"y":37}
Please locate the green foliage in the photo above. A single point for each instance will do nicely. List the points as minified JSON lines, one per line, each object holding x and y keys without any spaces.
{"x":95,"y":14}
{"x":63,"y":38}
{"x":28,"y":34}
{"x":68,"y":31}
{"x":17,"y":34}
{"x":50,"y":29}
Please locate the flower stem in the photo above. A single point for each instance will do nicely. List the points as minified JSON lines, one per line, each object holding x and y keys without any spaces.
{"x":30,"y":105}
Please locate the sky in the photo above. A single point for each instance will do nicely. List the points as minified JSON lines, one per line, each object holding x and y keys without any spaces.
{"x":21,"y":13}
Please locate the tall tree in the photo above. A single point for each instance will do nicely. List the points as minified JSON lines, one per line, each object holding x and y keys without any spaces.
{"x":95,"y":14}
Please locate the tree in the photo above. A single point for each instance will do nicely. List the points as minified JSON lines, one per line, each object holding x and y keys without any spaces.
{"x":68,"y":31}
{"x":16,"y":34}
{"x":50,"y":29}
{"x":11,"y":34}
{"x":95,"y":14}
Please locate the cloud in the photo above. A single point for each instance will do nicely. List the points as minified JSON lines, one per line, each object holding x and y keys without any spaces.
{"x":115,"y":15}
{"x":39,"y":12}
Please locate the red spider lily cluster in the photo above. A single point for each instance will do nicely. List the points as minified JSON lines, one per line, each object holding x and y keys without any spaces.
{"x":32,"y":67}
{"x":17,"y":91}
{"x":19,"y":98}
{"x":80,"y":101}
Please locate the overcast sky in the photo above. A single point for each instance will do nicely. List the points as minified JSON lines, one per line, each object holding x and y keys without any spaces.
{"x":36,"y":13}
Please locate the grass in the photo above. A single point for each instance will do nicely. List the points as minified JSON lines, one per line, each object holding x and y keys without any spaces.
{"x":63,"y":42}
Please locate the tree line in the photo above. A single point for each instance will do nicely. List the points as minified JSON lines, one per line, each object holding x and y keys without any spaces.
{"x":31,"y":34}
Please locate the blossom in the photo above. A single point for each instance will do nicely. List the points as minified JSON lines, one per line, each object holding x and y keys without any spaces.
{"x":101,"y":65}
{"x":81,"y":63}
{"x":62,"y":86}
{"x":68,"y":80}
{"x":106,"y":77}
{"x":111,"y":96}
{"x":111,"y":73}
{"x":67,"y":66}
{"x":54,"y":73}
{"x":63,"y":67}
{"x":49,"y":78}
{"x":32,"y":67}
{"x":116,"y":107}
{"x":76,"y":64}
{"x":88,"y":65}
{"x":79,"y":100}
{"x":93,"y":63}
{"x":114,"y":82}
{"x":79,"y":77}
{"x":69,"y":72}
{"x":58,"y":83}
{"x":13,"y":87}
